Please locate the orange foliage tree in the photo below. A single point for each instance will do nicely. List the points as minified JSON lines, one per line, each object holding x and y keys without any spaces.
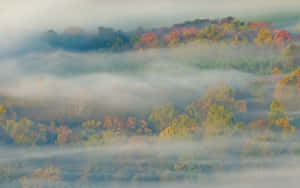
{"x":189,"y":33}
{"x":148,"y":40}
{"x":63,"y":134}
{"x":172,"y":39}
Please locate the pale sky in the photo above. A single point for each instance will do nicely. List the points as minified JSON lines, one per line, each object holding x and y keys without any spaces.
{"x":19,"y":18}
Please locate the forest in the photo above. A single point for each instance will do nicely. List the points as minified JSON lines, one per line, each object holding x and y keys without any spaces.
{"x":206,"y":102}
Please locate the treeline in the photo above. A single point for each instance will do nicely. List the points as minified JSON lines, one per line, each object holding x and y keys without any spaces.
{"x":219,"y":118}
{"x":227,"y":30}
{"x":217,"y":113}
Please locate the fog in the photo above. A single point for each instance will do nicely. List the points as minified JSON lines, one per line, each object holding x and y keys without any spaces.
{"x":273,"y":170}
{"x":95,"y":84}
{"x":58,"y":87}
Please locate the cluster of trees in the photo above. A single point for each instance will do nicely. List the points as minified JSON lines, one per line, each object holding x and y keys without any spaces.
{"x":216,"y":115}
{"x":221,"y":113}
{"x":227,"y":29}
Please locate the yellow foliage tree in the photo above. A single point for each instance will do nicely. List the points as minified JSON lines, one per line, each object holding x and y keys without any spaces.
{"x":264,"y":37}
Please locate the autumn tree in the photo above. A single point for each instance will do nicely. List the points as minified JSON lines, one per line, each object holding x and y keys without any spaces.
{"x":189,"y":33}
{"x":287,"y":91}
{"x":91,"y":125}
{"x":64,"y":135}
{"x":181,"y":126}
{"x":112,"y":137}
{"x":162,"y":116}
{"x":212,"y":32}
{"x":276,"y":71}
{"x":198,"y":109}
{"x":291,"y":53}
{"x":225,"y":95}
{"x":282,"y":38}
{"x":2,"y":112}
{"x":277,"y":111}
{"x":219,"y":121}
{"x":234,"y":26}
{"x":143,"y":128}
{"x":264,"y":37}
{"x":256,"y":26}
{"x":277,"y":116}
{"x":48,"y":177}
{"x":221,"y":95}
{"x":90,"y":128}
{"x":26,"y":132}
{"x":172,"y":39}
{"x":148,"y":40}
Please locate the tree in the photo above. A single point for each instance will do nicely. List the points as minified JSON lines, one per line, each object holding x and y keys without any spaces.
{"x":182,"y":126}
{"x":287,"y":91}
{"x":278,"y":117}
{"x":48,"y":177}
{"x":118,"y":44}
{"x":276,"y":71}
{"x":218,"y":122}
{"x":256,"y":26}
{"x":162,"y":116}
{"x":198,"y":109}
{"x":184,"y":121}
{"x":282,"y":38}
{"x":111,"y":137}
{"x":148,"y":40}
{"x":189,"y":33}
{"x":64,"y":135}
{"x":211,"y":32}
{"x":91,"y":124}
{"x":113,"y":123}
{"x":225,"y":95}
{"x":291,"y":53}
{"x":285,"y":127}
{"x":143,"y":128}
{"x":172,"y":131}
{"x":26,"y":132}
{"x":2,"y":112}
{"x":94,"y":140}
{"x":90,"y":127}
{"x":277,"y":111}
{"x":134,"y":40}
{"x":263,"y":38}
{"x":172,"y":39}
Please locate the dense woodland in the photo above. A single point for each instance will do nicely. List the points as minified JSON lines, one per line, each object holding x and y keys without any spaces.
{"x":238,"y":128}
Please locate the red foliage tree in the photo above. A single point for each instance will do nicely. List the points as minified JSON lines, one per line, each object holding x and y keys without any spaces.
{"x":148,"y":40}
{"x":189,"y":33}
{"x":282,"y":38}
{"x":63,"y":134}
{"x":172,"y":38}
